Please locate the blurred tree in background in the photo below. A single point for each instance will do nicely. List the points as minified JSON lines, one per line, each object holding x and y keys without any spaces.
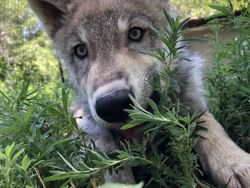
{"x":200,"y":8}
{"x":25,"y":51}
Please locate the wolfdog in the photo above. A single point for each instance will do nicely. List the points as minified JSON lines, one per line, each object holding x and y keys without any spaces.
{"x":100,"y":43}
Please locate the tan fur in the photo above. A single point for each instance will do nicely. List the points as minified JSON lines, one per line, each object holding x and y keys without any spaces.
{"x":114,"y":63}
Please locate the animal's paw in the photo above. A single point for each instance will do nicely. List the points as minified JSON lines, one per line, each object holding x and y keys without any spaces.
{"x":232,"y":172}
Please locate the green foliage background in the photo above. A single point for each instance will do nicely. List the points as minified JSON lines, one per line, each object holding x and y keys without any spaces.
{"x":25,"y":51}
{"x":199,"y":8}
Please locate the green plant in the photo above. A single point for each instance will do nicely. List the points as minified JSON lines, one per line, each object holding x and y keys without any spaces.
{"x":229,"y":78}
{"x":15,"y":167}
{"x":42,"y":126}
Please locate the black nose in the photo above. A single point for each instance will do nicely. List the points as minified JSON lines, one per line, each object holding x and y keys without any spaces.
{"x":111,"y":107}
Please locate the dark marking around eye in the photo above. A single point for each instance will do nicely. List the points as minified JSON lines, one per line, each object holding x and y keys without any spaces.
{"x":81,"y":51}
{"x":136,"y":34}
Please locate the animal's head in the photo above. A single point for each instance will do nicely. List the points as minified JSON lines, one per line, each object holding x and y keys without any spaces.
{"x":103,"y":45}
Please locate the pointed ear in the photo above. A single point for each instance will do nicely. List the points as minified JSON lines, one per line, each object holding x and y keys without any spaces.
{"x":52,"y":13}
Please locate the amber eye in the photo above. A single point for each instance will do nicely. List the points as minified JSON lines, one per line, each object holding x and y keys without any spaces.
{"x":136,"y":34}
{"x":81,"y":51}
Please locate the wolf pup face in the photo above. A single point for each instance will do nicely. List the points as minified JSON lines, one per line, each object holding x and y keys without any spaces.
{"x":103,"y":45}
